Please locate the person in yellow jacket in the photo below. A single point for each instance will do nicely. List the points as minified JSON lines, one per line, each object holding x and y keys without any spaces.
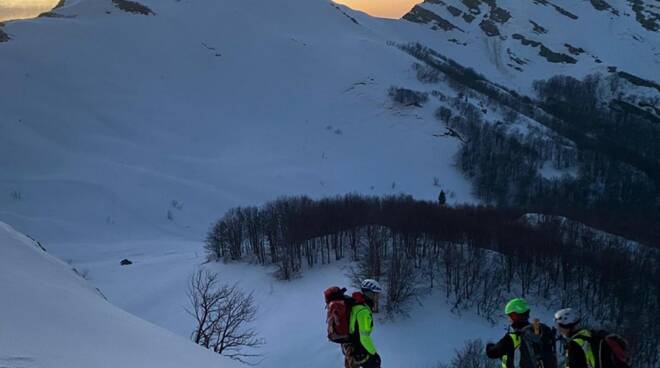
{"x":361,"y":352}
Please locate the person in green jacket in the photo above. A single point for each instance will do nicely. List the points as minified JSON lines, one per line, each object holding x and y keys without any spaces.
{"x":361,"y":352}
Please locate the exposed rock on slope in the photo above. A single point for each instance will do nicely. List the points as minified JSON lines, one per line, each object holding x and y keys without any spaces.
{"x":132,"y":7}
{"x":4,"y":37}
{"x":543,"y":32}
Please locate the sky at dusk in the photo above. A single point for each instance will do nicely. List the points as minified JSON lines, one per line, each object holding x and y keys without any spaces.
{"x":17,"y":9}
{"x":381,"y":8}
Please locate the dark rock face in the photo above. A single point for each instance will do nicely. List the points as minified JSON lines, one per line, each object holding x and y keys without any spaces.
{"x":4,"y":37}
{"x":420,"y":15}
{"x":645,"y":16}
{"x":558,"y":8}
{"x":500,"y":15}
{"x":600,"y":5}
{"x":525,"y":41}
{"x":454,"y":11}
{"x":639,"y":81}
{"x":556,"y":57}
{"x":473,"y":5}
{"x":346,"y":15}
{"x":489,"y":28}
{"x":125,"y":262}
{"x":538,"y":29}
{"x":132,"y":7}
{"x":494,"y":19}
{"x":551,"y":56}
{"x":577,"y":51}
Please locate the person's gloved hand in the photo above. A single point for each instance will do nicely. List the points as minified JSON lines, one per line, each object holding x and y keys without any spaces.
{"x":489,"y":346}
{"x":376,"y":359}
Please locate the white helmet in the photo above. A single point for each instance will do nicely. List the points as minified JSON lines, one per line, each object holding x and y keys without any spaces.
{"x":371,"y":285}
{"x":567,"y":317}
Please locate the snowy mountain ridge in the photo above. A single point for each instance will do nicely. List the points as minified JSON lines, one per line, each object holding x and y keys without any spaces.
{"x":153,"y":128}
{"x":523,"y":41}
{"x":124,"y":135}
{"x":164,"y":123}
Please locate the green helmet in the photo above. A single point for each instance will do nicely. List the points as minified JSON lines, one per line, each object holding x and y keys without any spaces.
{"x":517,"y":305}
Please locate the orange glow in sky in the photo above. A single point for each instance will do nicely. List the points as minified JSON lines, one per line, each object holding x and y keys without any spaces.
{"x":15,"y":9}
{"x":381,"y":8}
{"x":18,"y":9}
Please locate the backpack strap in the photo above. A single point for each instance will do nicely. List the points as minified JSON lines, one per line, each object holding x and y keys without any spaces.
{"x":531,"y":335}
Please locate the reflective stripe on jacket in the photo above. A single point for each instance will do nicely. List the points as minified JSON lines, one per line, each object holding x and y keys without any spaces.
{"x":362,"y":320}
{"x":517,"y":340}
{"x":582,"y":338}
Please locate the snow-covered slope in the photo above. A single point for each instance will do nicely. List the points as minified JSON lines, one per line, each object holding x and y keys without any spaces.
{"x":515,"y":42}
{"x":124,"y":135}
{"x":291,"y":316}
{"x":51,"y":317}
{"x":119,"y":125}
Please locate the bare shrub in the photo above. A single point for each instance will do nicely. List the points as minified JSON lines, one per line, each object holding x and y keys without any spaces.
{"x":222,"y":316}
{"x":401,"y":284}
{"x":408,"y":97}
{"x":472,"y":356}
{"x":426,"y":73}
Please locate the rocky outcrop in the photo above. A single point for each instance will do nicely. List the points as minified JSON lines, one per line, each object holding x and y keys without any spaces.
{"x":4,"y":37}
{"x":132,"y":7}
{"x":648,"y":18}
{"x":421,"y":15}
{"x":551,"y":56}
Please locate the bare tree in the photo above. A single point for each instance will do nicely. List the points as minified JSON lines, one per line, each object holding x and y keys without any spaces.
{"x":472,"y":356}
{"x":408,"y":97}
{"x":479,"y":256}
{"x":370,"y":263}
{"x":222,"y":315}
{"x":401,"y":283}
{"x":204,"y":299}
{"x":444,"y":114}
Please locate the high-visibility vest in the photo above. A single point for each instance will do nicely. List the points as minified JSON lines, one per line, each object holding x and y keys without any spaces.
{"x":517,"y":341}
{"x":582,"y":339}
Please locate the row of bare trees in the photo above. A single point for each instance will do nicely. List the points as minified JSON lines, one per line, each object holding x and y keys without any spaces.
{"x":614,"y":130}
{"x":478,"y":256}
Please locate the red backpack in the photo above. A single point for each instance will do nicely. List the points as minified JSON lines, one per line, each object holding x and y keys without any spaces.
{"x":338,"y":307}
{"x":613,"y":350}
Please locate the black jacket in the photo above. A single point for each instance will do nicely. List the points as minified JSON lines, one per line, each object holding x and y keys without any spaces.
{"x":575,"y":357}
{"x":505,"y":346}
